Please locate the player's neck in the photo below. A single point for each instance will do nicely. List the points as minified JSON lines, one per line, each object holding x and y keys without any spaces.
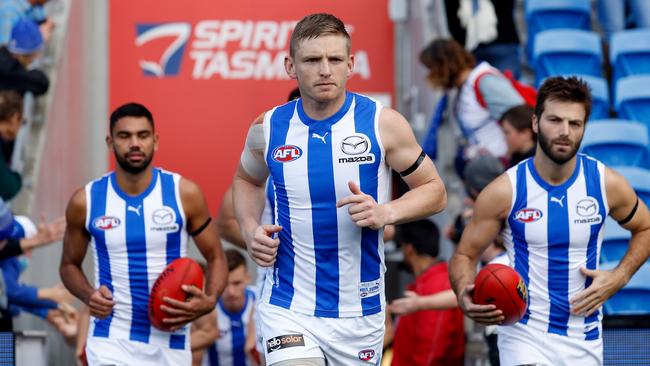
{"x":133,"y":184}
{"x":551,"y":172}
{"x":319,"y":110}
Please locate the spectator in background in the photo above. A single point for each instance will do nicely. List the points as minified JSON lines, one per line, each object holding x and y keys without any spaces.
{"x":24,"y":47}
{"x":11,"y":113}
{"x":504,"y":51}
{"x":517,"y":124}
{"x":452,"y":67}
{"x":612,"y":14}
{"x":12,"y":11}
{"x":429,"y":337}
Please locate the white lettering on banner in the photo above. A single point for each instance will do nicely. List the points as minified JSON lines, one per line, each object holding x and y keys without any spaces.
{"x":238,"y":49}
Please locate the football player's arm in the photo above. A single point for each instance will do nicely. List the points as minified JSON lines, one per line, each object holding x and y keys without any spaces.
{"x":427,"y":193}
{"x":630,"y":211}
{"x":75,"y":244}
{"x":248,"y":197}
{"x":206,"y":237}
{"x":204,"y":331}
{"x":491,"y":208}
{"x":227,"y":222}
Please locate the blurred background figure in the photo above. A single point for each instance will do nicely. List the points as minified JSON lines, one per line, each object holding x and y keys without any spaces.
{"x":13,"y":11}
{"x":517,"y":124}
{"x":25,"y":46}
{"x":11,"y":114}
{"x":428,"y":337}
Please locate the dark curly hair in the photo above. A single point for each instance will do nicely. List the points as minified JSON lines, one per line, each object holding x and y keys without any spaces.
{"x":564,"y":89}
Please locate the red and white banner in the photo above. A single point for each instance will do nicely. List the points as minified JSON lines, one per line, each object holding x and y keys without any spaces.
{"x":206,"y":69}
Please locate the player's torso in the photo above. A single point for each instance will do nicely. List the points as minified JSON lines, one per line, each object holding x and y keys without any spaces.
{"x":133,"y":238}
{"x":233,"y":326}
{"x":551,"y":232}
{"x":326,"y":265}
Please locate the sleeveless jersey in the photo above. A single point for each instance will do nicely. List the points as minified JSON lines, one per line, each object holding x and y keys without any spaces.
{"x":550,"y":233}
{"x":326,"y":266}
{"x":133,"y":238}
{"x":228,"y":350}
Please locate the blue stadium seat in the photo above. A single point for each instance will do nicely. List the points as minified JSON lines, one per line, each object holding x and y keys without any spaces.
{"x":629,"y":53}
{"x":634,"y":298}
{"x":600,"y":94}
{"x":544,"y":15}
{"x":617,"y":143}
{"x":615,"y":241}
{"x":639,"y":179}
{"x":567,"y":51}
{"x":633,"y":98}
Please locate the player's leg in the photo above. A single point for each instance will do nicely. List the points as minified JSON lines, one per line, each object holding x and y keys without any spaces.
{"x":356,"y":341}
{"x":521,"y":346}
{"x":288,"y":335}
{"x":572,"y":351}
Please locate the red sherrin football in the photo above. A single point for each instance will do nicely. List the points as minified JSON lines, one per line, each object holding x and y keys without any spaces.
{"x":182,"y":271}
{"x":502,"y":286}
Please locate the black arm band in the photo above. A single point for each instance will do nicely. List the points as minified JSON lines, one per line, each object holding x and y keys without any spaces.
{"x":11,"y":249}
{"x":415,"y":165}
{"x":631,"y":215}
{"x":201,"y":228}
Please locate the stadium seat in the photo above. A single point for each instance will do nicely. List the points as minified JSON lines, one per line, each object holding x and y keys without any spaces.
{"x":629,"y":53}
{"x":542,"y":15}
{"x":634,"y":298}
{"x":615,"y":242}
{"x":633,"y":98}
{"x":617,"y":143}
{"x":567,"y":51}
{"x":600,"y":94}
{"x":639,"y":179}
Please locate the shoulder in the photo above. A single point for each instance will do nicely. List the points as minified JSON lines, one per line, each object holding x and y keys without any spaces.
{"x":189,"y":189}
{"x":495,"y":199}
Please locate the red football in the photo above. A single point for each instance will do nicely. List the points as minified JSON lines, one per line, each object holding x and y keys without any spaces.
{"x":502,"y":286}
{"x":182,"y":271}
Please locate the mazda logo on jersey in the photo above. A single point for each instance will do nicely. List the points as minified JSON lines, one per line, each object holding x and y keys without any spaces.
{"x":164,"y":219}
{"x":355,"y":145}
{"x":589,"y":211}
{"x":286,"y":153}
{"x":106,"y":222}
{"x":527,"y":215}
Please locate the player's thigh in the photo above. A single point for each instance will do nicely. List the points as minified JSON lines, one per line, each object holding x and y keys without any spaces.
{"x":572,"y":351}
{"x":118,"y":352}
{"x":356,"y":341}
{"x":520,"y":346}
{"x":302,"y":362}
{"x":288,"y":335}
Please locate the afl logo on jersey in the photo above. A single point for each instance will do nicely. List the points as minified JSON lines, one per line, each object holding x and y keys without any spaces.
{"x":106,"y":222}
{"x":366,"y":355}
{"x":527,"y":215}
{"x":286,"y":153}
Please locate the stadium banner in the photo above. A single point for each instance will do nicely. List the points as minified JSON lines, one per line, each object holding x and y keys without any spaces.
{"x":206,"y":69}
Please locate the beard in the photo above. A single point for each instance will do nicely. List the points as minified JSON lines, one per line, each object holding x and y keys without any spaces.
{"x":129,"y":167}
{"x":556,"y":157}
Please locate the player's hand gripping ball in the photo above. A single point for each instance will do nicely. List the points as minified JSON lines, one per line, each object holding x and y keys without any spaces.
{"x":182,"y":271}
{"x":503,"y":287}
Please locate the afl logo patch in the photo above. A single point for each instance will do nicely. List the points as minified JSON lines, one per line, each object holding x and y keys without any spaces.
{"x":527,"y":215}
{"x":286,"y":153}
{"x":106,"y":222}
{"x":366,"y":355}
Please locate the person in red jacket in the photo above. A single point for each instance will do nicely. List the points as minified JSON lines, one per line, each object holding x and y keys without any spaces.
{"x":428,"y":337}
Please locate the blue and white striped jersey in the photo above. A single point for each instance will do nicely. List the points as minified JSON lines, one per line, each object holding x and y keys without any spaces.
{"x":551,"y":232}
{"x":326,"y":266}
{"x":228,"y":350}
{"x":133,"y":238}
